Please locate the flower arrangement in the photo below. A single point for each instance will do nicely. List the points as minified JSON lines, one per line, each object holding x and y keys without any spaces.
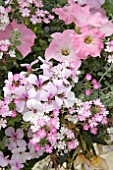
{"x":56,"y":87}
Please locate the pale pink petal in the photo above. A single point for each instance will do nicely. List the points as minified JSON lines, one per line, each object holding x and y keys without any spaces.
{"x":3,"y":160}
{"x":9,"y":131}
{"x":20,"y":133}
{"x":107,"y":28}
{"x":21,"y":143}
{"x":26,"y":38}
{"x":58,"y":101}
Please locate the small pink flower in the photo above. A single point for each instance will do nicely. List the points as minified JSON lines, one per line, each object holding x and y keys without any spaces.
{"x":88,"y":77}
{"x":98,"y":103}
{"x":37,"y":147}
{"x":41,"y":133}
{"x":71,"y":145}
{"x":93,"y":130}
{"x":98,"y":117}
{"x":88,"y":92}
{"x":52,"y":138}
{"x":25,"y":12}
{"x":48,"y":149}
{"x":96,"y":85}
{"x":104,"y":120}
{"x":70,"y":134}
{"x":86,"y":126}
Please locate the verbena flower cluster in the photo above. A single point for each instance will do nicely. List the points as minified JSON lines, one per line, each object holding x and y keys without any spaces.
{"x":4,"y":18}
{"x":55,"y":90}
{"x":33,"y":11}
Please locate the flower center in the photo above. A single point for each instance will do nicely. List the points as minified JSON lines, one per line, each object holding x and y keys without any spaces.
{"x":65,"y":52}
{"x":88,"y":40}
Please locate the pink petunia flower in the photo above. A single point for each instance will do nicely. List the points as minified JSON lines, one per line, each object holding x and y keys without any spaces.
{"x":68,"y":14}
{"x":65,"y":14}
{"x":89,"y":42}
{"x":62,"y":47}
{"x":26,"y":38}
{"x":82,"y":17}
{"x":88,"y":15}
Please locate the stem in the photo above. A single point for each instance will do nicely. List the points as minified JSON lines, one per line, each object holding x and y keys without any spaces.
{"x":105,"y":73}
{"x":48,"y":165}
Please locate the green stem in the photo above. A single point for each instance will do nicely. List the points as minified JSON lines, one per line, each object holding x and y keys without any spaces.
{"x":105,"y":73}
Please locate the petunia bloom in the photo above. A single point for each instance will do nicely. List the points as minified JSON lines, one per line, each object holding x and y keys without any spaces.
{"x":26,"y":38}
{"x":62,"y":47}
{"x":89,"y":42}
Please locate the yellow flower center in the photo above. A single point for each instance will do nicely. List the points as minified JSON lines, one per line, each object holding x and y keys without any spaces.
{"x":88,"y":40}
{"x":65,"y":52}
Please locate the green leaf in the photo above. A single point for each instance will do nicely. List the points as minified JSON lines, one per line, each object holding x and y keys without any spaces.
{"x":98,"y":140}
{"x":63,"y":159}
{"x":19,"y":56}
{"x":1,"y":2}
{"x":12,"y":121}
{"x":3,"y":143}
{"x":89,"y":141}
{"x":108,"y":6}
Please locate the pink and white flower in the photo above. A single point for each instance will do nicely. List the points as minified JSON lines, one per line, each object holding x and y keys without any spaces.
{"x":62,"y":47}
{"x":15,"y":138}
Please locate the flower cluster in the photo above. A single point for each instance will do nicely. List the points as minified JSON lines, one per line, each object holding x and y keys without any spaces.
{"x":92,"y":114}
{"x":90,"y":85}
{"x":109,"y":50}
{"x":33,"y":10}
{"x":4,"y":18}
{"x":39,"y":99}
{"x":5,"y":108}
{"x":90,"y":27}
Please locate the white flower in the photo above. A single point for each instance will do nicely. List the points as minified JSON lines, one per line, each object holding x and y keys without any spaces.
{"x":110,"y":59}
{"x":61,"y":145}
{"x":6,"y":42}
{"x":20,"y":154}
{"x":70,"y":98}
{"x":110,"y":130}
{"x":73,"y":119}
{"x":1,"y":55}
{"x":78,"y":102}
{"x":12,"y":53}
{"x":2,"y":123}
{"x":36,"y":110}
